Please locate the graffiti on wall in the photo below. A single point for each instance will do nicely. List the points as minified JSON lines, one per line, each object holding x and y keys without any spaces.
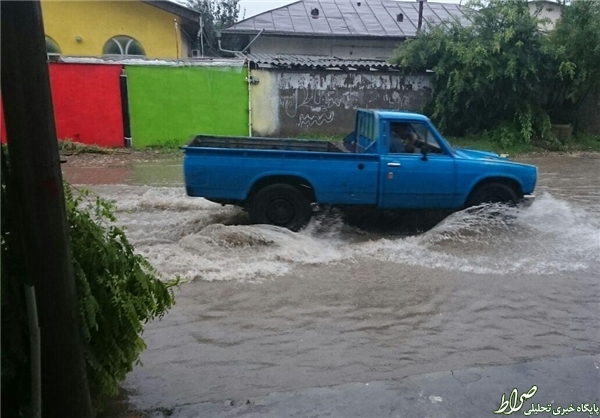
{"x":322,"y":102}
{"x":317,"y":107}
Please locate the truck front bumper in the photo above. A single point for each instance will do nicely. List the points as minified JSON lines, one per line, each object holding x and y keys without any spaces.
{"x":527,"y":200}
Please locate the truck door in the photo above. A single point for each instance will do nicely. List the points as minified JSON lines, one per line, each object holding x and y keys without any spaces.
{"x":410,"y":180}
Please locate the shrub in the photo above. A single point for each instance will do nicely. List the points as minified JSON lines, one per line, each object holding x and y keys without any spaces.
{"x":118,"y":291}
{"x":501,"y":72}
{"x":487,"y":73}
{"x":575,"y":43}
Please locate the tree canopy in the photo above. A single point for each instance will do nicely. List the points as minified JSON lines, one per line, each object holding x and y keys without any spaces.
{"x":502,"y":72}
{"x":216,"y":15}
{"x":575,"y":43}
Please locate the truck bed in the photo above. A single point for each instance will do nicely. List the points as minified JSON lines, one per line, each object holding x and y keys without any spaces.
{"x":285,"y":144}
{"x":225,"y":169}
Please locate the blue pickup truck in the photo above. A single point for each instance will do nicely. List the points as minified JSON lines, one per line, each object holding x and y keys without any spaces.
{"x":279,"y":181}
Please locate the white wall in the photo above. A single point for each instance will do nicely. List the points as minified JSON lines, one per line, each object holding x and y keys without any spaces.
{"x":265,"y":103}
{"x":336,"y":47}
{"x":546,"y":9}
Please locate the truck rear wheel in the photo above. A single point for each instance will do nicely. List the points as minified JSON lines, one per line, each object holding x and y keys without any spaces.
{"x":282,"y":205}
{"x":493,"y":193}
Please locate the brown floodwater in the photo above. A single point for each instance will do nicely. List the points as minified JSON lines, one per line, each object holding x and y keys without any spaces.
{"x":265,"y":309}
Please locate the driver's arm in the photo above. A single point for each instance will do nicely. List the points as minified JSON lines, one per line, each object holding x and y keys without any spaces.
{"x":409,"y":144}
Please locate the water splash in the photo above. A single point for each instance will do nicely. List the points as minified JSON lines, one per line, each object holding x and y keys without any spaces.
{"x":201,"y":240}
{"x":551,"y":236}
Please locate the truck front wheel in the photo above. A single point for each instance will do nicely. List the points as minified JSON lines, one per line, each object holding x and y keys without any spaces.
{"x":282,"y":205}
{"x":493,"y":193}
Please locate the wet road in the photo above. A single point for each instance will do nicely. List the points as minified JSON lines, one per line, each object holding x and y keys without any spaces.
{"x":268,"y":310}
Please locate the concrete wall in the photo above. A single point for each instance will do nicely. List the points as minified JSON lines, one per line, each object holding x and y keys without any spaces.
{"x":341,"y":48}
{"x":168,"y":105}
{"x":294,"y":103}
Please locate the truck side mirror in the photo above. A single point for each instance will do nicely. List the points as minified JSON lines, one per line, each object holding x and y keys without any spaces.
{"x":424,"y":152}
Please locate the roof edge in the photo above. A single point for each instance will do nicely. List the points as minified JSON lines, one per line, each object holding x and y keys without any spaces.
{"x":299,"y":61}
{"x":144,"y":61}
{"x":175,"y":8}
{"x":313,"y":35}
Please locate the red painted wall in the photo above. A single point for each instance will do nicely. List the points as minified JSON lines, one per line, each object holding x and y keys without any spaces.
{"x":87,"y":103}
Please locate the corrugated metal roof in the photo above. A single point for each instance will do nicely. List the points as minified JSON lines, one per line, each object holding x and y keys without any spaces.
{"x":143,"y":61}
{"x":349,"y":18}
{"x":310,"y":61}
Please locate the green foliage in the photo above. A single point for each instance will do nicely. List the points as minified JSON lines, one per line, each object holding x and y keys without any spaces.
{"x":575,"y":43}
{"x":491,"y":141}
{"x":311,"y":136}
{"x":501,"y":73}
{"x":217,"y":15}
{"x":486,"y":75}
{"x":118,"y":292}
{"x":585,"y":142}
{"x":169,"y":144}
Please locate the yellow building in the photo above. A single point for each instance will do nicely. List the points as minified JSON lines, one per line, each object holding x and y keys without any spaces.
{"x":154,"y":29}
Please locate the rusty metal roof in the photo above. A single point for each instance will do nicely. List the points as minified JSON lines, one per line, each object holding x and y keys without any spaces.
{"x":349,"y":18}
{"x":315,"y":61}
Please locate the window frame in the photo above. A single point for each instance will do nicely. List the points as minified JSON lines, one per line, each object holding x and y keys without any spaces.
{"x":430,"y":136}
{"x":50,"y":40}
{"x":122,"y":46}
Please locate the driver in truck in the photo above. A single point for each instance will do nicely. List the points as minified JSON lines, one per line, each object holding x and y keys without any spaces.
{"x":403,"y":138}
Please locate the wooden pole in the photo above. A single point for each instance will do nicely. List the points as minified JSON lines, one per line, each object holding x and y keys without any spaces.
{"x":41,"y":223}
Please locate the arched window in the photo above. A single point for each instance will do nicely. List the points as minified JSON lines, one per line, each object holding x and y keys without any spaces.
{"x":51,"y":46}
{"x":123,"y":45}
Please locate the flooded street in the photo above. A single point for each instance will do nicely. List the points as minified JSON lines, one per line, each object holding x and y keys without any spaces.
{"x":266,"y":310}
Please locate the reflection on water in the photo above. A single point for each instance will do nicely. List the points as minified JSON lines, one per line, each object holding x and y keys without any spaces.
{"x":162,"y":173}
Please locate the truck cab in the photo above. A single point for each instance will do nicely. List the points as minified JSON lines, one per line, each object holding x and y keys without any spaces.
{"x":431,"y":173}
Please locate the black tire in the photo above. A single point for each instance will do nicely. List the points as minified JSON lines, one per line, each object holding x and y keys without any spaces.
{"x":282,"y":205}
{"x":493,"y":193}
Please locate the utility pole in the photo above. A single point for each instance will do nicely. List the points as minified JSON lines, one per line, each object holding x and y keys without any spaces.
{"x":420,"y":15}
{"x":41,"y":223}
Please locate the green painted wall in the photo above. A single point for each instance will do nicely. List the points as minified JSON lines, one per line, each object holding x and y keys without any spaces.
{"x":168,"y":105}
